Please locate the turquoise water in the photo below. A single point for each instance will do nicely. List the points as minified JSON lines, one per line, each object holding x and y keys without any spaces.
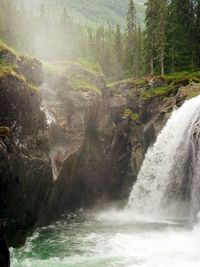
{"x":111,"y":239}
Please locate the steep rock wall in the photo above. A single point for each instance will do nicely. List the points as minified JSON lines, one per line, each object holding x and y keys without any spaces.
{"x":102,"y":147}
{"x":25,"y":167}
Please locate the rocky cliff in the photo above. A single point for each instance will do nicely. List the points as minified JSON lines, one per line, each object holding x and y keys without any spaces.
{"x":76,"y":142}
{"x":25,"y":172}
{"x":89,"y":142}
{"x":99,"y":137}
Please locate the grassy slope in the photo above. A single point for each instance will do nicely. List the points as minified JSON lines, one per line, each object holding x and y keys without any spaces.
{"x":173,"y":81}
{"x":11,"y":70}
{"x":81,"y":75}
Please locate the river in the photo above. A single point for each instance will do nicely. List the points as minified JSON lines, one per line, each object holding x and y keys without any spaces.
{"x":111,"y":239}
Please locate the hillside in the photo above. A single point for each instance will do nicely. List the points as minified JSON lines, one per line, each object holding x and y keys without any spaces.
{"x":97,"y":11}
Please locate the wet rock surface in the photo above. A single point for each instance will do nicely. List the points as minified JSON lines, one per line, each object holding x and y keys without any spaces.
{"x":73,"y":144}
{"x":78,"y":148}
{"x":98,"y":151}
{"x":25,"y":166}
{"x":90,"y":147}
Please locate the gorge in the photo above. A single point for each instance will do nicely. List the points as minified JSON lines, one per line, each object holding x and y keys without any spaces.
{"x":85,"y":157}
{"x":157,"y":223}
{"x":99,"y":133}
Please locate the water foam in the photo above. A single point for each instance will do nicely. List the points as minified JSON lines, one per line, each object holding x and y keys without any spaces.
{"x":168,"y":181}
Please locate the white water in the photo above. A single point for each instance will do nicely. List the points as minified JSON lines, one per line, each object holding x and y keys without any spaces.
{"x":150,"y":231}
{"x":111,"y":239}
{"x":168,"y":182}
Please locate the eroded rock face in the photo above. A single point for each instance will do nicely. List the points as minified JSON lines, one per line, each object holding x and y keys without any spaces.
{"x":31,"y":69}
{"x":96,"y":171}
{"x":96,"y":150}
{"x":90,"y":146}
{"x":25,"y":166}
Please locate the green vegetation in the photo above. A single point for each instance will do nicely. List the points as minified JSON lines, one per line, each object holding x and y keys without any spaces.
{"x":129,"y":81}
{"x":174,"y":80}
{"x":4,"y":131}
{"x":163,"y":91}
{"x":57,"y":69}
{"x":80,"y":76}
{"x":5,"y":48}
{"x":192,"y":76}
{"x":113,"y":47}
{"x":128,"y":113}
{"x":90,"y":66}
{"x":10,"y":69}
{"x":92,"y":12}
{"x":6,"y":69}
{"x":172,"y":36}
{"x":120,"y":50}
{"x":83,"y":83}
{"x":33,"y":89}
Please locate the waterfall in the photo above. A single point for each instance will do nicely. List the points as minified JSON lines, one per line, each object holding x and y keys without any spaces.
{"x":169,"y":180}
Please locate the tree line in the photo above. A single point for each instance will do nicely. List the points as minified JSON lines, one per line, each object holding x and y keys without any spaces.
{"x":53,"y":37}
{"x":170,"y":41}
{"x":172,"y":35}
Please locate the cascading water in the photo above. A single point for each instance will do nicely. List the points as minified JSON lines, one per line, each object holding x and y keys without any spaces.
{"x":168,"y":184}
{"x":169,"y":180}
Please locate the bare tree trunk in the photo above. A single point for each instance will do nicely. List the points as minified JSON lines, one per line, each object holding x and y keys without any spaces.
{"x":172,"y":59}
{"x":152,"y":65}
{"x":162,"y":61}
{"x":136,"y":64}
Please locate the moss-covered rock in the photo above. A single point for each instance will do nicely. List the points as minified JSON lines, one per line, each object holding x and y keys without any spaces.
{"x":31,"y":69}
{"x":7,"y":55}
{"x":25,"y":166}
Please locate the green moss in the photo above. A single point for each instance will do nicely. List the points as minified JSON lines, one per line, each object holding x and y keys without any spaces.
{"x":192,"y":76}
{"x":4,"y":46}
{"x":90,"y":66}
{"x":130,"y":81}
{"x":10,"y":70}
{"x":163,"y":91}
{"x":59,"y":67}
{"x":80,"y":78}
{"x":33,"y":89}
{"x":115,"y":85}
{"x":5,"y":68}
{"x":128,"y":113}
{"x":4,"y":131}
{"x":82,"y":83}
{"x":172,"y":80}
{"x":53,"y":68}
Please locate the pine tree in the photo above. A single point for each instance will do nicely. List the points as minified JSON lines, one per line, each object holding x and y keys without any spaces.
{"x":179,"y":34}
{"x":197,"y":33}
{"x":161,"y":37}
{"x":106,"y":64}
{"x":130,"y":48}
{"x":139,"y":54}
{"x":151,"y":33}
{"x":118,"y":53}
